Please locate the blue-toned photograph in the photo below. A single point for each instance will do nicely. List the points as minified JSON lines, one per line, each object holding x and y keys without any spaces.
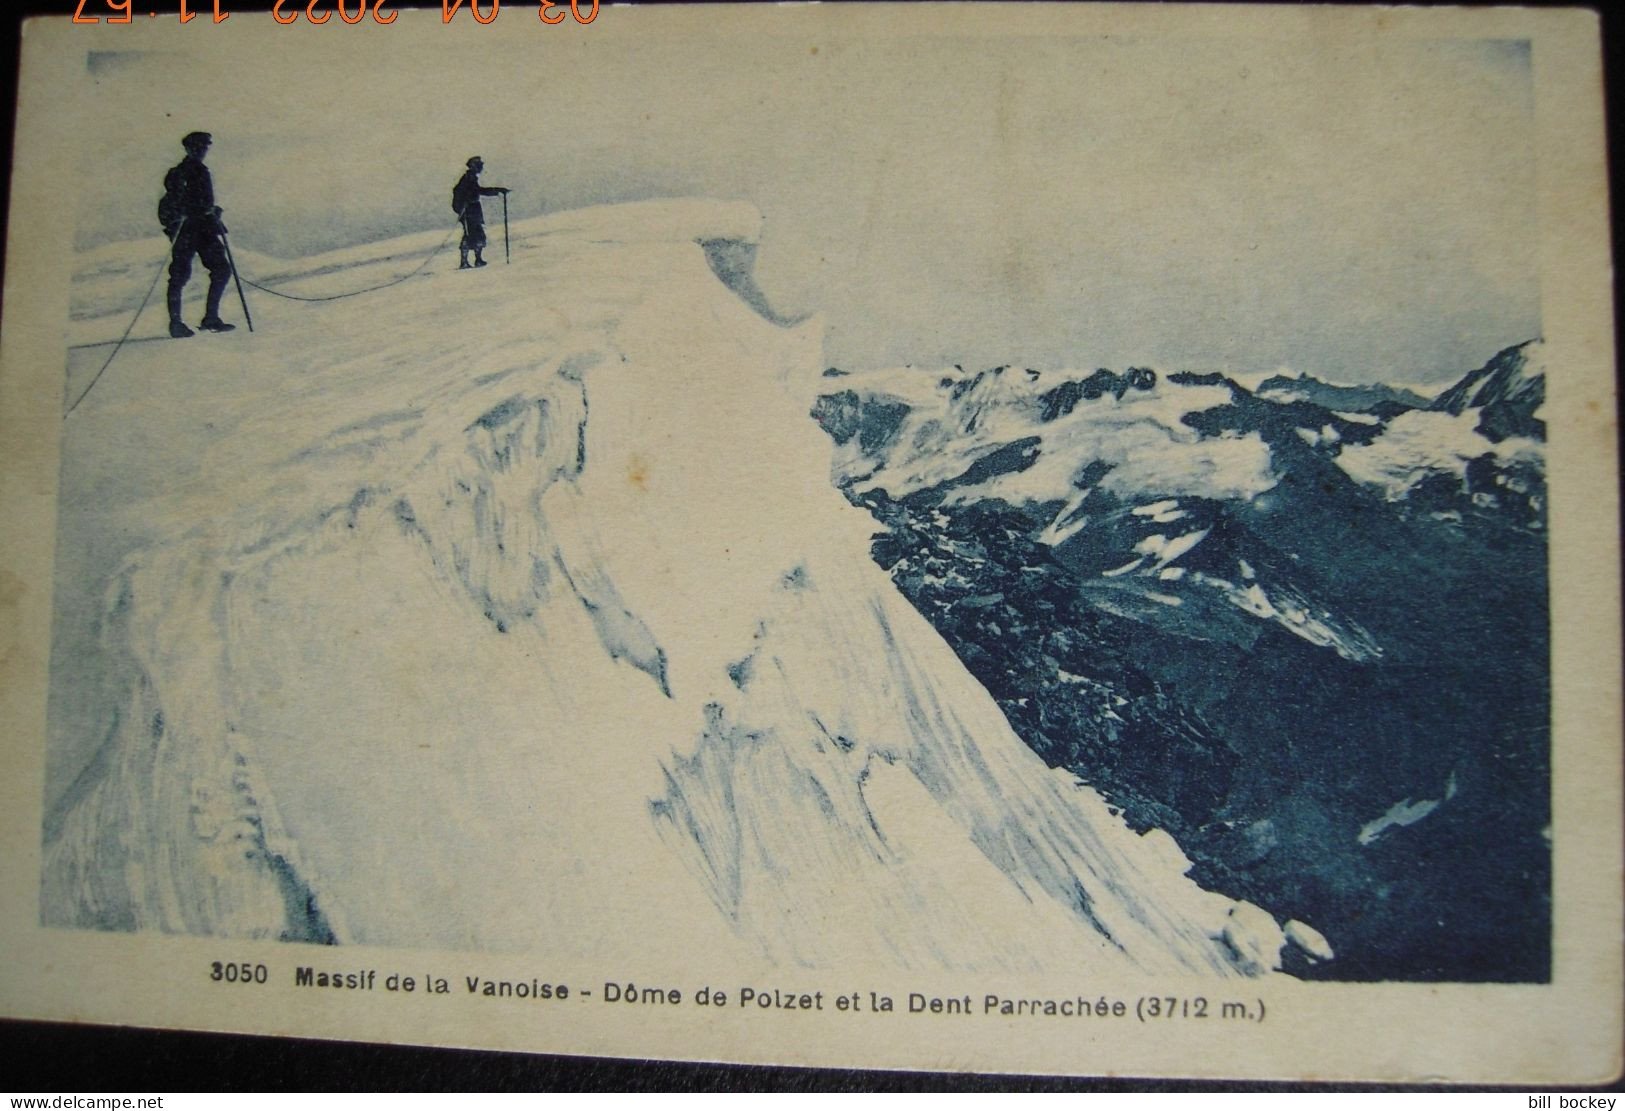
{"x":1005,"y":504}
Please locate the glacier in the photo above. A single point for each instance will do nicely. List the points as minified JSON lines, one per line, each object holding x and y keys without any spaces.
{"x":514,"y":609}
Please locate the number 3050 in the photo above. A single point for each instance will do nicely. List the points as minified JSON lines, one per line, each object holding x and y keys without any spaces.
{"x":238,"y":972}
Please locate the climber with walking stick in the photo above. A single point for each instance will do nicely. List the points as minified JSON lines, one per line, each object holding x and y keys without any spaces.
{"x":191,"y":220}
{"x":465,"y":201}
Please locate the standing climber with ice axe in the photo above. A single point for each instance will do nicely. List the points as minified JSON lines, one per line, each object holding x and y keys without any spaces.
{"x":465,"y":201}
{"x":191,"y":219}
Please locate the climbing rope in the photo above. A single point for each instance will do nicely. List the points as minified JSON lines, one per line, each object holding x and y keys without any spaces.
{"x":357,"y":292}
{"x":119,"y":344}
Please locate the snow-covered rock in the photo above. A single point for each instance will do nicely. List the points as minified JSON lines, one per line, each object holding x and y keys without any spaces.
{"x":1308,"y":939}
{"x":1421,"y":443}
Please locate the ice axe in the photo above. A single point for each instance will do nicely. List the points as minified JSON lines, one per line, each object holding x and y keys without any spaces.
{"x":226,"y":243}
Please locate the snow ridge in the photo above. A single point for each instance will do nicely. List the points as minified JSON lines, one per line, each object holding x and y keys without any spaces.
{"x":519,"y":616}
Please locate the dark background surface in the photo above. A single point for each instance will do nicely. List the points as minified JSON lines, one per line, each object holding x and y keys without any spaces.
{"x":51,"y":1058}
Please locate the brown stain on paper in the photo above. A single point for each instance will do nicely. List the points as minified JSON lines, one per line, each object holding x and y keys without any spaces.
{"x":637,"y":473}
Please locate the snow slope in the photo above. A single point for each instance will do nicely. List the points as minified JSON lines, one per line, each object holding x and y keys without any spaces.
{"x":514,"y":608}
{"x":1418,"y":444}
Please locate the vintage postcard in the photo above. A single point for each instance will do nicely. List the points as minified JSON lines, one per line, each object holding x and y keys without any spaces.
{"x":1065,"y":539}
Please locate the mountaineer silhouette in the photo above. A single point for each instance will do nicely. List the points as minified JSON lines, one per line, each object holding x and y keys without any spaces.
{"x":191,"y":220}
{"x":465,"y":201}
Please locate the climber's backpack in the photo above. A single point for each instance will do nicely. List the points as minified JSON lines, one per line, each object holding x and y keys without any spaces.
{"x":170,"y":212}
